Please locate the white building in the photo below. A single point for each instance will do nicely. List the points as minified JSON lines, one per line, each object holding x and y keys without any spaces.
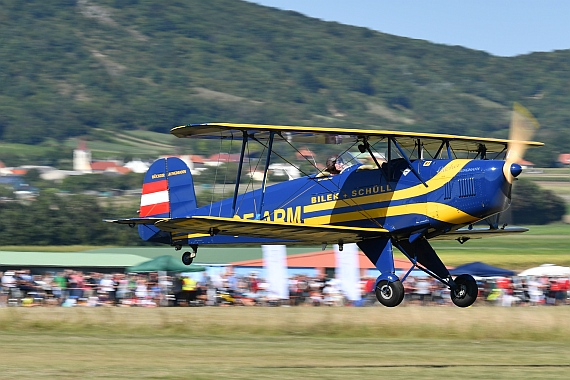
{"x":82,"y":158}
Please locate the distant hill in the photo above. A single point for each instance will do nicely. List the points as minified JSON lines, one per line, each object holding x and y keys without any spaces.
{"x":81,"y":68}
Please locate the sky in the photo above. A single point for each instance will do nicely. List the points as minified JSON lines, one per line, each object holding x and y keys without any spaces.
{"x":503,"y":28}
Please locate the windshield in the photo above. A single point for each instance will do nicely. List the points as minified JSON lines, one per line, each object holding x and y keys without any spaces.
{"x":347,"y":160}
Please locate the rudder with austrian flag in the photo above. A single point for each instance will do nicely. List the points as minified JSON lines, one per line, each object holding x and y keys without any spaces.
{"x":167,"y":192}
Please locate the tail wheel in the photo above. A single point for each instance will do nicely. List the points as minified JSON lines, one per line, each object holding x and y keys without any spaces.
{"x":187,"y":258}
{"x":465,"y":291}
{"x":390,"y":294}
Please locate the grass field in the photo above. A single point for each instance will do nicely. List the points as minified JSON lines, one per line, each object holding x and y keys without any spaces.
{"x":304,"y":343}
{"x":285,"y":343}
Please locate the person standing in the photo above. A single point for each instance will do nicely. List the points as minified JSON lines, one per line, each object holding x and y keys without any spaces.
{"x":8,"y":285}
{"x":189,"y":286}
{"x":107,"y":289}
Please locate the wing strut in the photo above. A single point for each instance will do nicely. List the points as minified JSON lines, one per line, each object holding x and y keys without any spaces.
{"x":418,"y":176}
{"x":389,"y":160}
{"x":240,"y":167}
{"x":444,"y":144}
{"x":264,"y":183}
{"x":365,"y":147}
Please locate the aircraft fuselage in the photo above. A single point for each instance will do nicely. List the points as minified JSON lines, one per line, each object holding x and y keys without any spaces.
{"x":458,"y":192}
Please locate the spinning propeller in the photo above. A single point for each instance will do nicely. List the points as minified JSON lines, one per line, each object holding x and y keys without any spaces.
{"x":522,"y":129}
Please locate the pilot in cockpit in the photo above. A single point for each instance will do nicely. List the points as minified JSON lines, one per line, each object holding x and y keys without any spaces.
{"x":334,"y":165}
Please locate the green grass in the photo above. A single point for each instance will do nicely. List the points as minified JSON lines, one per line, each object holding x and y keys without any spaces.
{"x":288,"y":343}
{"x":548,"y":174}
{"x":121,"y":146}
{"x":21,"y":149}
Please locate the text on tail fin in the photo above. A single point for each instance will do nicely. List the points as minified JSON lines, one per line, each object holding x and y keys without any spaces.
{"x":168,"y":190}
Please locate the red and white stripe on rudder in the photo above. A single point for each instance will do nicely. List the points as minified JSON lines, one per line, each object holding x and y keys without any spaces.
{"x":155,"y":199}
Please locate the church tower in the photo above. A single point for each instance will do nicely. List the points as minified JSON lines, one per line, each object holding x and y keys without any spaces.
{"x":82,"y":158}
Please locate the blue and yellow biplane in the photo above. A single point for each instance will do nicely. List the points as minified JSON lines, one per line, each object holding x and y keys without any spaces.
{"x":414,"y":188}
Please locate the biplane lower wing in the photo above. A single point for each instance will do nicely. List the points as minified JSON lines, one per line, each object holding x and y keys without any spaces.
{"x":464,"y":234}
{"x":310,"y":234}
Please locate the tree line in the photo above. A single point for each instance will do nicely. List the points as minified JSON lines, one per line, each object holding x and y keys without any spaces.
{"x":64,"y":219}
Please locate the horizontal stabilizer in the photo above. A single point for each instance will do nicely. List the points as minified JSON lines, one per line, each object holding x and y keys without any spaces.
{"x":134,"y":221}
{"x":310,"y":234}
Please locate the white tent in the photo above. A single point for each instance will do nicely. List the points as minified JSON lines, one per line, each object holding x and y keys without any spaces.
{"x":547,"y":270}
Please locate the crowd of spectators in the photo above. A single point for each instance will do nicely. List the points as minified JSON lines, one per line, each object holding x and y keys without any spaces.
{"x":74,"y":288}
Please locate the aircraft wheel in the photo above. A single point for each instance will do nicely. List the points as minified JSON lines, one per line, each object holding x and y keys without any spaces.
{"x":465,"y":291}
{"x":390,"y":294}
{"x":187,"y":258}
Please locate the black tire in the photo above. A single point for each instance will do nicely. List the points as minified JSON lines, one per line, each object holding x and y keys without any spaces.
{"x":389,"y":294}
{"x":187,"y":258}
{"x":465,"y":291}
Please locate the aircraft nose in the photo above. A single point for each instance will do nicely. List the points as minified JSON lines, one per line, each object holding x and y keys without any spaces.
{"x":516,"y":169}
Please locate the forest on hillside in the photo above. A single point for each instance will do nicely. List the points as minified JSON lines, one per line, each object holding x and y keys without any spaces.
{"x":90,"y":68}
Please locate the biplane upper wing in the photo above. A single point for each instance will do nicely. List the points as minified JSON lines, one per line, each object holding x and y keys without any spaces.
{"x":319,"y":135}
{"x":273,"y":230}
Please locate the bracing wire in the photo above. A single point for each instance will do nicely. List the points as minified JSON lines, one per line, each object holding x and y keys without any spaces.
{"x":251,"y":182}
{"x":216,"y":175}
{"x":361,"y":210}
{"x":228,"y":160}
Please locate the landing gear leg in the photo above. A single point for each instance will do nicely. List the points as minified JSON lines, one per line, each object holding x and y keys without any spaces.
{"x":463,"y":289}
{"x":188,"y":257}
{"x":389,"y":289}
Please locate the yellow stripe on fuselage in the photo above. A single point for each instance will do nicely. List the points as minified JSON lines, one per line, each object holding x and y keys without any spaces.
{"x":438,"y":181}
{"x":439,"y":211}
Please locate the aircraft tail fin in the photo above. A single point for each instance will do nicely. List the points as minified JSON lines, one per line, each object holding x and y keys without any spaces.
{"x":168,"y":192}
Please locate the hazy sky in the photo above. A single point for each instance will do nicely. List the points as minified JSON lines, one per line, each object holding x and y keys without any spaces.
{"x":499,"y":27}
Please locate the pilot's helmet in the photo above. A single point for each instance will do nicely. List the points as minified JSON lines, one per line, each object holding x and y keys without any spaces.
{"x":339,"y":161}
{"x":331,"y":161}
